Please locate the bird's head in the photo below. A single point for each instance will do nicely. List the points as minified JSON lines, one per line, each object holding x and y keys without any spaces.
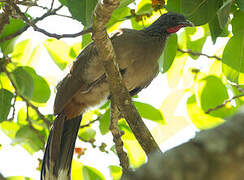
{"x":169,"y":23}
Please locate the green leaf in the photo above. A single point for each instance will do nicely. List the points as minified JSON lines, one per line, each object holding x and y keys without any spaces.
{"x":82,"y":10}
{"x":169,"y":53}
{"x":41,"y":92}
{"x":115,"y":172}
{"x":240,"y":4}
{"x":196,"y":38}
{"x":237,"y":23}
{"x":87,"y":134}
{"x":22,"y":52}
{"x":9,"y":128}
{"x":91,"y":173}
{"x":63,"y":2}
{"x":23,"y":81}
{"x":59,"y":52}
{"x":216,"y":31}
{"x":144,"y":7}
{"x":5,"y":103}
{"x":211,"y":93}
{"x":86,"y":39}
{"x":123,"y":126}
{"x":149,"y":112}
{"x":118,"y":16}
{"x":223,"y":13}
{"x":173,"y":6}
{"x":75,"y":50}
{"x":200,"y":11}
{"x":28,"y":139}
{"x":13,"y":26}
{"x":233,"y":58}
{"x":124,"y":3}
{"x":199,"y":118}
{"x":104,"y":121}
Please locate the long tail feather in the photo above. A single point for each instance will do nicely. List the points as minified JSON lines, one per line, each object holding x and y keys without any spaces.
{"x":59,"y":149}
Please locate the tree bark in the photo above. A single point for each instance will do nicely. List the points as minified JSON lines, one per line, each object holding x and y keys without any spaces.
{"x":215,"y":154}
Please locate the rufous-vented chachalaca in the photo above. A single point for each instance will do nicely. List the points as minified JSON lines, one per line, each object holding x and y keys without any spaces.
{"x":85,"y":86}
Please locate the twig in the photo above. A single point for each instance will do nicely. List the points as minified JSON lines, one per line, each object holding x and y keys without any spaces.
{"x":46,"y":121}
{"x":123,"y":158}
{"x":49,"y":13}
{"x":32,"y":127}
{"x":43,"y":31}
{"x":52,"y":3}
{"x":88,"y":124}
{"x":222,"y":105}
{"x":239,"y":88}
{"x":198,"y":54}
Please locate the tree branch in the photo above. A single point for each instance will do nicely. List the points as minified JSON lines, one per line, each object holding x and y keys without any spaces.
{"x":213,"y":154}
{"x":123,"y":158}
{"x":222,"y":105}
{"x":198,"y":54}
{"x":118,"y":90}
{"x":43,"y":31}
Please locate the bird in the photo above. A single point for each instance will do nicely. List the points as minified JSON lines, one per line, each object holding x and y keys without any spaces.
{"x":137,"y":53}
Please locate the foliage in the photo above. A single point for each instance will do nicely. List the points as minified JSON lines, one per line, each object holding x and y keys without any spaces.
{"x":210,"y":88}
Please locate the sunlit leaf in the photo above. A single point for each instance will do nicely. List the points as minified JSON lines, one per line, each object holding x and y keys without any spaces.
{"x":29,"y":139}
{"x":171,"y":102}
{"x":92,"y":173}
{"x":173,"y":126}
{"x":9,"y":128}
{"x":35,"y":56}
{"x":149,"y":112}
{"x":174,"y":74}
{"x":59,"y":52}
{"x":5,"y":103}
{"x":87,"y":134}
{"x":76,"y":171}
{"x":22,"y":52}
{"x":18,"y":178}
{"x":115,"y":172}
{"x":199,"y":118}
{"x":167,"y":58}
{"x":135,"y":153}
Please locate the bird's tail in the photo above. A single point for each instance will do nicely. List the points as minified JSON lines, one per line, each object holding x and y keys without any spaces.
{"x":59,"y":149}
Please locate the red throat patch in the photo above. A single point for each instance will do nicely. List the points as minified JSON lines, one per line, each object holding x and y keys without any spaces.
{"x":174,"y":29}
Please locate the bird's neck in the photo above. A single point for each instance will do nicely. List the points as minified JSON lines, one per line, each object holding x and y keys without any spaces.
{"x":156,"y":31}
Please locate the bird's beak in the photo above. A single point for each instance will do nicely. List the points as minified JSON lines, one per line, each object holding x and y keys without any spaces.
{"x":186,"y":23}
